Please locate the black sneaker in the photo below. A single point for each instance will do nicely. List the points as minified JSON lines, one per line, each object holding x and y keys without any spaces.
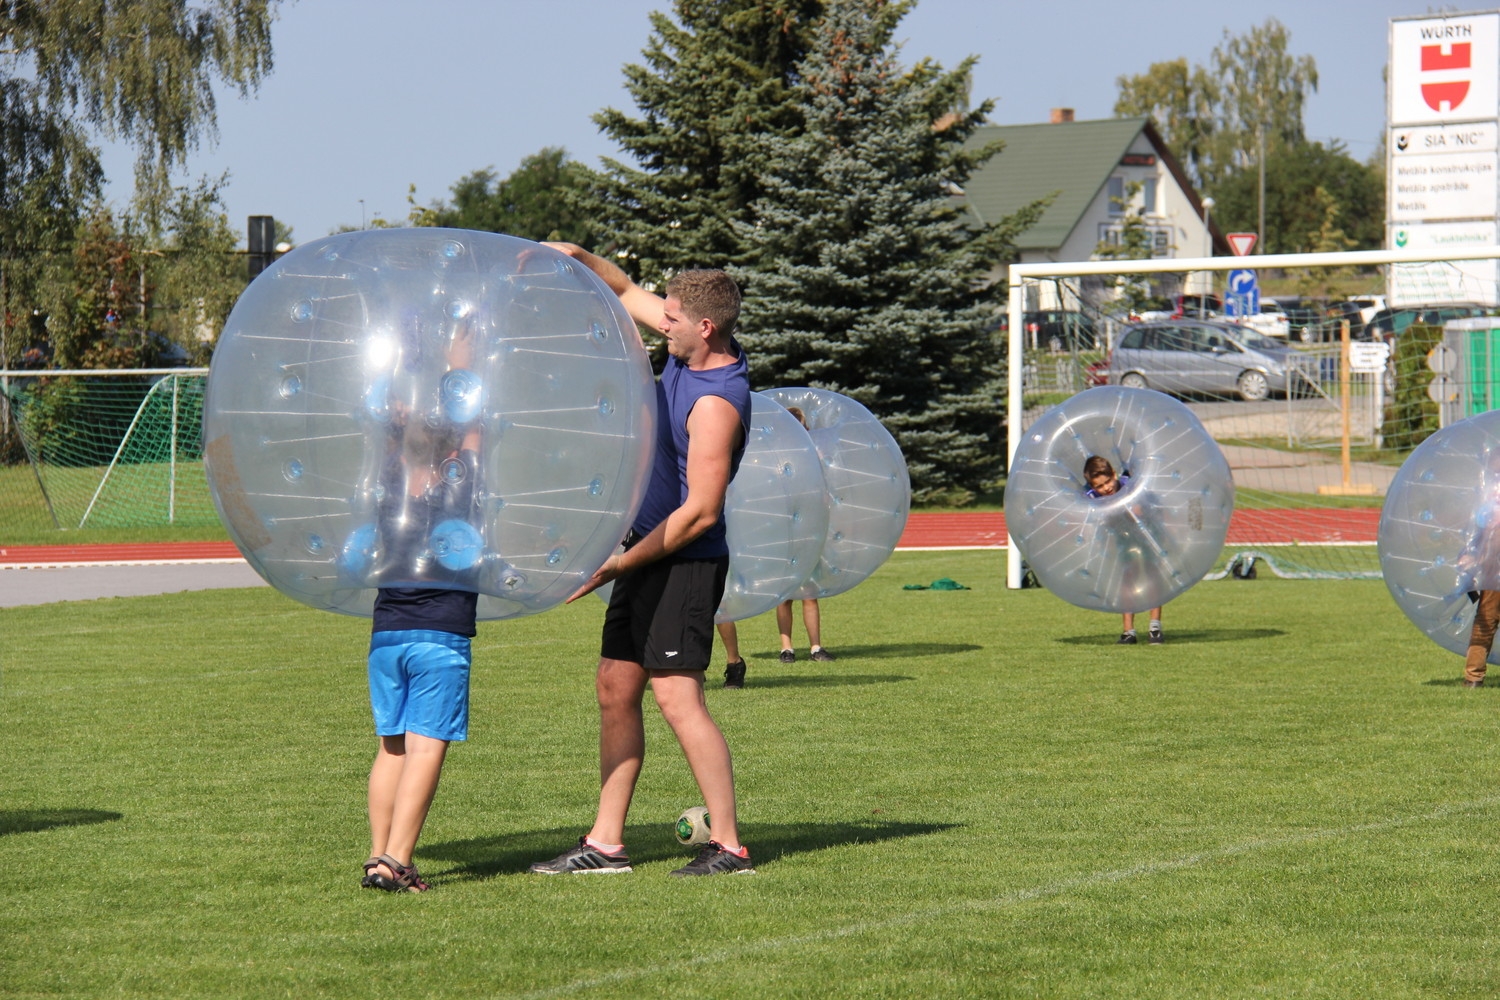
{"x":1155,"y":637}
{"x":734,"y":674}
{"x":1126,"y":639}
{"x":822,"y":655}
{"x":787,"y":656}
{"x":713,"y":859}
{"x":583,"y":860}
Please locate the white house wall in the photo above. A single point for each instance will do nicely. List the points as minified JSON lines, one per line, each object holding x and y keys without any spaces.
{"x":1188,"y":236}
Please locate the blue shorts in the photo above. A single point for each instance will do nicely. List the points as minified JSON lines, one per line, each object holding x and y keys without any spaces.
{"x":419,"y":683}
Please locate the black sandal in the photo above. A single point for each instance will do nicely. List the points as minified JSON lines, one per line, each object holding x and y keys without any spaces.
{"x":405,"y":877}
{"x":368,"y":882}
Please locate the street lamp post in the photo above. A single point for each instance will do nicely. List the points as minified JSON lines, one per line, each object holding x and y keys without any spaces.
{"x":1208,"y":237}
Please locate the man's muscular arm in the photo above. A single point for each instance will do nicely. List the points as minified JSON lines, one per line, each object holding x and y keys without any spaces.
{"x":644,"y":307}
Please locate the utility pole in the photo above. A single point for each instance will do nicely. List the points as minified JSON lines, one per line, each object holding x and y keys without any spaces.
{"x":1260,"y":226}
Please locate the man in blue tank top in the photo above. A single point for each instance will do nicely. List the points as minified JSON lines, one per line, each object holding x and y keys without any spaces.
{"x":669,"y":580}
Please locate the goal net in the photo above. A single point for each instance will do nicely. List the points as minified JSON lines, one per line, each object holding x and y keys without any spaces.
{"x":106,"y":449}
{"x":1350,"y":362}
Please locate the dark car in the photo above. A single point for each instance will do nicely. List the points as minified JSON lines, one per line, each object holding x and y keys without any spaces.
{"x":1388,"y":324}
{"x":1203,"y":357}
{"x":1334,"y":317}
{"x":1304,"y":317}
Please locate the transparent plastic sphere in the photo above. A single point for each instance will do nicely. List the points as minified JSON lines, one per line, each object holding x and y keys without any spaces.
{"x":1141,"y":547}
{"x":1439,"y":537}
{"x":428,"y":408}
{"x":869,"y":491}
{"x":775,"y":512}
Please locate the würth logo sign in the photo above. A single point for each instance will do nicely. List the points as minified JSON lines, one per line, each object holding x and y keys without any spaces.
{"x":1444,"y":69}
{"x":1452,"y":63}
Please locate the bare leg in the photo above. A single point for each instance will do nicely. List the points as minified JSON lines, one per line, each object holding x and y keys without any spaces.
{"x":419,"y":781}
{"x":620,"y":686}
{"x":403,"y":781}
{"x":812,"y":621}
{"x":784,"y":624}
{"x":680,"y":695}
{"x":1127,"y":621}
{"x":730,"y":636}
{"x":385,"y":775}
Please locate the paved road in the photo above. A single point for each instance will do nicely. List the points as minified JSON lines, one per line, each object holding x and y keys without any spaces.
{"x":20,"y":587}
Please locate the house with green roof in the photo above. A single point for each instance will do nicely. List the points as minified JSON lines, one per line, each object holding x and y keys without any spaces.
{"x":1095,"y":172}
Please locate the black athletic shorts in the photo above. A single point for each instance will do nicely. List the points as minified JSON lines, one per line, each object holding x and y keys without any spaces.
{"x":662,"y":615}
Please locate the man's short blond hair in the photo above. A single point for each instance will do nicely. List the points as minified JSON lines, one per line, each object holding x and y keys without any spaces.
{"x":707,"y":294}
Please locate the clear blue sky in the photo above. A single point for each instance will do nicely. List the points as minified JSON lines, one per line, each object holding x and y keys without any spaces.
{"x":371,"y":96}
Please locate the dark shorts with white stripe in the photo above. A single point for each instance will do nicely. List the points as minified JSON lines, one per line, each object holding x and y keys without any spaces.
{"x":662,"y":615}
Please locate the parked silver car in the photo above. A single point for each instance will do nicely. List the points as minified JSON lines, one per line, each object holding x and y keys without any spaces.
{"x":1202,"y":357}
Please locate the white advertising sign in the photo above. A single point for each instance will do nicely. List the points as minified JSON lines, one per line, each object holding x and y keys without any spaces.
{"x":1447,"y":281}
{"x":1445,"y":69}
{"x":1447,"y":172}
{"x":1368,"y":357}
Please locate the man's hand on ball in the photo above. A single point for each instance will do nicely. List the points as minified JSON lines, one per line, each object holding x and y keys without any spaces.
{"x":604,"y":574}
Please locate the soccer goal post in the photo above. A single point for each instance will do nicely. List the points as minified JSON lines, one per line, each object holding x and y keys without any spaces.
{"x":105,"y":448}
{"x":1315,"y":401}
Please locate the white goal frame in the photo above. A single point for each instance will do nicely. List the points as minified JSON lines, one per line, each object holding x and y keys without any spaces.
{"x":1020,"y":273}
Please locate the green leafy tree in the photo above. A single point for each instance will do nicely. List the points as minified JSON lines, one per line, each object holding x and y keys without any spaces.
{"x":1181,"y":100}
{"x":196,"y":273}
{"x":138,"y":70}
{"x":1264,"y":89}
{"x":865,"y":278}
{"x":537,"y":201}
{"x":141,"y":287}
{"x":141,"y":71}
{"x":715,"y":82}
{"x":1241,"y":113}
{"x":1309,"y":186}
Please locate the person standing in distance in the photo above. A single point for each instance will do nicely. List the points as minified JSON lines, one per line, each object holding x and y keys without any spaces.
{"x":669,"y":579}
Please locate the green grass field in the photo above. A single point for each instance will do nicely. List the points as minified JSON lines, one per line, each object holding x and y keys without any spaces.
{"x":983,"y":796}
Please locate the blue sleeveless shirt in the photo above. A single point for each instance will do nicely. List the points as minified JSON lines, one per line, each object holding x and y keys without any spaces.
{"x":677,"y":391}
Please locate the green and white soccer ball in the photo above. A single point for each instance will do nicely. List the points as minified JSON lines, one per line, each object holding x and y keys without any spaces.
{"x":692,"y":826}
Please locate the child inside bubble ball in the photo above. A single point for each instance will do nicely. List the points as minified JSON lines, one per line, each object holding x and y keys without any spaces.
{"x":1103,"y":482}
{"x":420,"y":655}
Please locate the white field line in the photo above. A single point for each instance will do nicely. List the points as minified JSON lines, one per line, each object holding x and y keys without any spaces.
{"x":1020,"y":896}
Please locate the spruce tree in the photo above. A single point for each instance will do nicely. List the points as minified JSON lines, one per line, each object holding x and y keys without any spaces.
{"x":866,"y":278}
{"x":714,"y":80}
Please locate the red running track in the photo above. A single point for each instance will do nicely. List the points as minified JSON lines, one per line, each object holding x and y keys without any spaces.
{"x":1246,"y":527}
{"x":923,"y":531}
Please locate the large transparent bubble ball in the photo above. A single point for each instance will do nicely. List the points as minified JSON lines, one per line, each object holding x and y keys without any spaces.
{"x":869,"y":491}
{"x":1439,"y":533}
{"x":1143,"y":546}
{"x":776,"y":513}
{"x":428,"y":408}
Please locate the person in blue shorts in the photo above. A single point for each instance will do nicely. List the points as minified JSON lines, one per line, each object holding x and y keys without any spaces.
{"x":419,"y":639}
{"x":659,"y":628}
{"x":1103,"y":482}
